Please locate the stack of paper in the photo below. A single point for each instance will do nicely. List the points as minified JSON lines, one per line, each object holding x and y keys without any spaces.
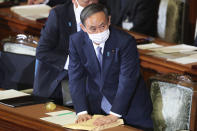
{"x":6,"y":94}
{"x":19,"y":49}
{"x":175,"y":48}
{"x":149,"y":46}
{"x":32,"y":12}
{"x":185,"y":60}
{"x":61,"y":117}
{"x":67,"y":119}
{"x":88,"y":125}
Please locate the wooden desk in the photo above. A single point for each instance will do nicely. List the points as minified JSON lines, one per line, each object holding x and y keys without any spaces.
{"x":12,"y":24}
{"x":27,"y":119}
{"x":152,"y":65}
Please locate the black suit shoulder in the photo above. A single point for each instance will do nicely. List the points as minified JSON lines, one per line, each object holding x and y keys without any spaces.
{"x":56,"y":2}
{"x":63,"y":8}
{"x":195,"y":42}
{"x":78,"y":36}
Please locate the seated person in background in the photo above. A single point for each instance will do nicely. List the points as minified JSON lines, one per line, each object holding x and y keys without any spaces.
{"x":195,"y":41}
{"x":135,"y":15}
{"x":104,"y":73}
{"x":48,"y":2}
{"x":52,"y":50}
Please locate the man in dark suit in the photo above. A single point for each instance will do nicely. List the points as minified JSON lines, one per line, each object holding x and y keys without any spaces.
{"x":52,"y":50}
{"x":48,"y":2}
{"x":135,"y":15}
{"x":104,"y":73}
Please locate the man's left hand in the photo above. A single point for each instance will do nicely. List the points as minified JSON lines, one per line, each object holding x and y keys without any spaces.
{"x":105,"y":120}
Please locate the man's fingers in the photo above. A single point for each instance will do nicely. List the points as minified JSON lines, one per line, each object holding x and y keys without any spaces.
{"x":30,"y":2}
{"x":105,"y":120}
{"x":82,"y":118}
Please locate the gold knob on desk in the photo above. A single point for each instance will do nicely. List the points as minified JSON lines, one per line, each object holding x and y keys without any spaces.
{"x":50,"y":106}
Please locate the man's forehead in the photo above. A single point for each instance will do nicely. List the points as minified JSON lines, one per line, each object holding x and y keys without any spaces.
{"x":96,"y":19}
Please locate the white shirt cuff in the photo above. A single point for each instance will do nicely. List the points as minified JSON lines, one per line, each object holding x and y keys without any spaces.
{"x":67,"y":62}
{"x":112,"y":113}
{"x":82,"y":113}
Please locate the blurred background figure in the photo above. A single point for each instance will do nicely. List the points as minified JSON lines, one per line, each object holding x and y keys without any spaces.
{"x":135,"y":15}
{"x":51,"y":78}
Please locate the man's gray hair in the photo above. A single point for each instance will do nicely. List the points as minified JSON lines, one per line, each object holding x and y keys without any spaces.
{"x":92,"y":9}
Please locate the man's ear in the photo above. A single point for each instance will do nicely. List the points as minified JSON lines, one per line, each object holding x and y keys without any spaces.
{"x":75,"y":3}
{"x":83,"y":28}
{"x":109,"y":20}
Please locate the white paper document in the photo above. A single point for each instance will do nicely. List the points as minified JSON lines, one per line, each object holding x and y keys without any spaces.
{"x":60,"y":113}
{"x":175,"y":48}
{"x":32,"y":12}
{"x":19,"y":49}
{"x":61,"y":119}
{"x":88,"y":125}
{"x":148,"y":46}
{"x":185,"y":60}
{"x":6,"y":94}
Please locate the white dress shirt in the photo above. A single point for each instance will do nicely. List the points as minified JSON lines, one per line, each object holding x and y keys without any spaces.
{"x":78,"y":21}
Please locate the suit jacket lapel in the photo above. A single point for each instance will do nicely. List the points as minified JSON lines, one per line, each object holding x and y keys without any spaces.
{"x":90,"y":54}
{"x":73,"y":20}
{"x":108,"y":55}
{"x":69,"y":18}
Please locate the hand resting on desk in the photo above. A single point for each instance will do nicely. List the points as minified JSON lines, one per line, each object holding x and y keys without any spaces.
{"x":99,"y":121}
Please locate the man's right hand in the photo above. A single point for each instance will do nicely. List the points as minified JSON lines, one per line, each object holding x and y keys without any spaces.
{"x":83,"y":118}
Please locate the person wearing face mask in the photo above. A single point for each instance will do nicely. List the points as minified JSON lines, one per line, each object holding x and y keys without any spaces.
{"x":52,"y":51}
{"x":104,"y":73}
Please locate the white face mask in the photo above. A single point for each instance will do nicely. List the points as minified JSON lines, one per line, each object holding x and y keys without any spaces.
{"x":100,"y":37}
{"x":78,"y":11}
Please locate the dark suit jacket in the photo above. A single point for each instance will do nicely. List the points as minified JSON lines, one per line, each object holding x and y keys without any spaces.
{"x":143,"y":14}
{"x":119,"y":79}
{"x":56,"y":2}
{"x":52,"y":49}
{"x":195,"y":41}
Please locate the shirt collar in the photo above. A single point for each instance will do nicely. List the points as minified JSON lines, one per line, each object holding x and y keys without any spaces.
{"x":102,"y":45}
{"x":76,"y":14}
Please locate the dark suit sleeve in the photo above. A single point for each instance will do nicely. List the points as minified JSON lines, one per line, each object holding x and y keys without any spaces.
{"x":143,"y":14}
{"x":46,"y":50}
{"x":128,"y":77}
{"x":195,"y":42}
{"x":77,"y":79}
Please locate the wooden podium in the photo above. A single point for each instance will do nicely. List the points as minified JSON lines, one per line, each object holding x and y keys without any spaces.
{"x":27,"y":118}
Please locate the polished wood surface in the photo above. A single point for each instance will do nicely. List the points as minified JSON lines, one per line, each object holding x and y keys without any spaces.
{"x":27,"y":118}
{"x":12,"y":24}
